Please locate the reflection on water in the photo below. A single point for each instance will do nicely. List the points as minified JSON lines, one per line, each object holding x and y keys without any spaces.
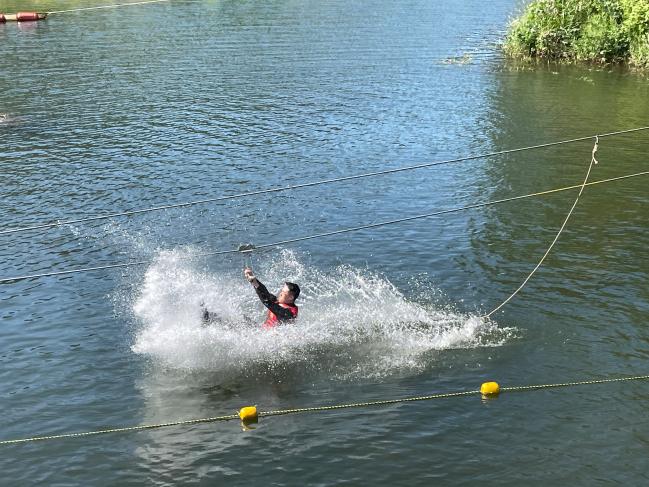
{"x":588,"y":279}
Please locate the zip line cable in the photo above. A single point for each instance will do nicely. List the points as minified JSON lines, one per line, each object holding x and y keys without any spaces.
{"x":556,"y":237}
{"x":253,"y":248}
{"x":310,"y":184}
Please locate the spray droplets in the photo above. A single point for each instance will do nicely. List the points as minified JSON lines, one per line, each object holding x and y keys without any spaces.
{"x":351,"y":323}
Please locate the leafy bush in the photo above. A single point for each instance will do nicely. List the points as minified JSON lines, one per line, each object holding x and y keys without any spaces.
{"x":601,"y":31}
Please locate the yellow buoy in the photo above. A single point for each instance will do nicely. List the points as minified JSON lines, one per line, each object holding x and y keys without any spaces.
{"x":490,"y":389}
{"x":248,"y":414}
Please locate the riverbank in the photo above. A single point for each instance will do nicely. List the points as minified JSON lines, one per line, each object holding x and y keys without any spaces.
{"x":593,"y":31}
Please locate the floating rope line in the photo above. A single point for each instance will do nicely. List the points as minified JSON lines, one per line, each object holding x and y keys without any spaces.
{"x":105,"y":6}
{"x":556,"y":237}
{"x":309,"y":184}
{"x":280,"y":412}
{"x":122,"y":430}
{"x":327,"y":234}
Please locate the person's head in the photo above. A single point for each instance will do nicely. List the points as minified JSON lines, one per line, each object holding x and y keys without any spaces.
{"x":289,"y":293}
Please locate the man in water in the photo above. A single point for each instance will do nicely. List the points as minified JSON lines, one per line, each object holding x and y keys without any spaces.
{"x":281,"y":308}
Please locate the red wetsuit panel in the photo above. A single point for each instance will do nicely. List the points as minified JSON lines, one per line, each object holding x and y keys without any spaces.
{"x":272,"y":320}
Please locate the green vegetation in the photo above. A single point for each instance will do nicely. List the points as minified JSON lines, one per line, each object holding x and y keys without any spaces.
{"x":598,"y":31}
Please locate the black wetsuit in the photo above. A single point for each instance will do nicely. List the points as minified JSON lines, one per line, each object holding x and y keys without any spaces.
{"x":270,"y":301}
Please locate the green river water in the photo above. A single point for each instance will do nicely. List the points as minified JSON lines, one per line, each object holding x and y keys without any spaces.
{"x":116,"y":109}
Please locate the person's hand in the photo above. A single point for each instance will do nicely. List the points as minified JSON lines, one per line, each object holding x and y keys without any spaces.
{"x":247,"y":272}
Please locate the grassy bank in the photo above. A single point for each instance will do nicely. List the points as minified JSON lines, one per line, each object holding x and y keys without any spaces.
{"x":596,"y":31}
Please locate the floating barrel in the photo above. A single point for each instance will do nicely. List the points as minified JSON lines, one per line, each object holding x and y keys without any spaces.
{"x":23,"y":17}
{"x":26,"y":16}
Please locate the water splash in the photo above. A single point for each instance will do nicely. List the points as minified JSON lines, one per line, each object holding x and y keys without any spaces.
{"x":7,"y":119}
{"x":352,"y":323}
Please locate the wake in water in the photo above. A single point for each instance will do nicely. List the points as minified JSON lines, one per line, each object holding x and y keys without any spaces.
{"x":351,"y":323}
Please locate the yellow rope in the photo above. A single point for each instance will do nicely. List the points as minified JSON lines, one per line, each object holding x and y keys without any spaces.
{"x":322,"y":408}
{"x":569,"y":384}
{"x":556,"y":237}
{"x":366,"y":404}
{"x":120,"y":430}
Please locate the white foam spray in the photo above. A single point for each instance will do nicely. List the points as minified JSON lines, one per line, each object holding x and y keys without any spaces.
{"x":351,"y":324}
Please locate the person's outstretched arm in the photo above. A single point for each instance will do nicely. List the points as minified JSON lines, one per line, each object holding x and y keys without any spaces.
{"x":269,"y":300}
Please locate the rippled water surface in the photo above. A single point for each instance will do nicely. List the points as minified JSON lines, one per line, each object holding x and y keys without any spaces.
{"x":111,"y":110}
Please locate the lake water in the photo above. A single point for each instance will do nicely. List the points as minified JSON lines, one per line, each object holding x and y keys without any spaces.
{"x":118,"y":109}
